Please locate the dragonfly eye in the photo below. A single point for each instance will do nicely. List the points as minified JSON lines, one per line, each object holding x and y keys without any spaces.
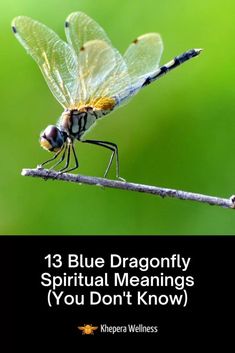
{"x":52,"y":139}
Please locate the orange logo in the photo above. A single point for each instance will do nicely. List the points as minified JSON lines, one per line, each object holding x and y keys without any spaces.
{"x":87,"y":329}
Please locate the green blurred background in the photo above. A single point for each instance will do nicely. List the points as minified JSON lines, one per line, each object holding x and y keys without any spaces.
{"x":176,"y":133}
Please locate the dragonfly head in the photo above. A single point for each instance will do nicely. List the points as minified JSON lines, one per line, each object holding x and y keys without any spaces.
{"x":52,"y":138}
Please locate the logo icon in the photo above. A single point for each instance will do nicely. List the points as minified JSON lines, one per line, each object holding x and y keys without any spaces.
{"x":87,"y":329}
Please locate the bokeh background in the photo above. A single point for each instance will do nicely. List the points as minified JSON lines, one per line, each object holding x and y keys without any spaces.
{"x":178,"y":132}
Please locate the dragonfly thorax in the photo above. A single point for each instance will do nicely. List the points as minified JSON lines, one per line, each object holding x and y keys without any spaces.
{"x":78,"y":121}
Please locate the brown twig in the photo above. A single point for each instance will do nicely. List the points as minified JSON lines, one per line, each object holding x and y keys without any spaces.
{"x":148,"y":189}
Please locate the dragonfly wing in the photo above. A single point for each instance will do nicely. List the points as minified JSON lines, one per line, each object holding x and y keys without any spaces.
{"x":80,"y":28}
{"x":143,"y":57}
{"x":118,"y":83}
{"x":103,"y":75}
{"x":55,"y":58}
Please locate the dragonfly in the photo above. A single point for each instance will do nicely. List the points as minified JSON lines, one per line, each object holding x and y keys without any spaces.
{"x":89,"y":78}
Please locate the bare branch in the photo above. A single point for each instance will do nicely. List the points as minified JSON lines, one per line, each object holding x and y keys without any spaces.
{"x":116,"y":184}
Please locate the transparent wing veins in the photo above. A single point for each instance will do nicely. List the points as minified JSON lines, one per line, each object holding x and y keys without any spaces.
{"x":55,"y":58}
{"x":143,"y":57}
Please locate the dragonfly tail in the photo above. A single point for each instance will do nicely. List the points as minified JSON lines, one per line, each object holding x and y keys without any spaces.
{"x":178,"y":60}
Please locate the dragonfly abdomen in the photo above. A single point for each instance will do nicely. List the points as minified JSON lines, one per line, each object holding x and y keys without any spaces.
{"x":178,"y":60}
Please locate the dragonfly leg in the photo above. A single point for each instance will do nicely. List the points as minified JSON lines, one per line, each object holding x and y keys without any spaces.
{"x":114,"y":148}
{"x":76,"y":161}
{"x":61,"y":159}
{"x":51,"y":159}
{"x":67,"y":161}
